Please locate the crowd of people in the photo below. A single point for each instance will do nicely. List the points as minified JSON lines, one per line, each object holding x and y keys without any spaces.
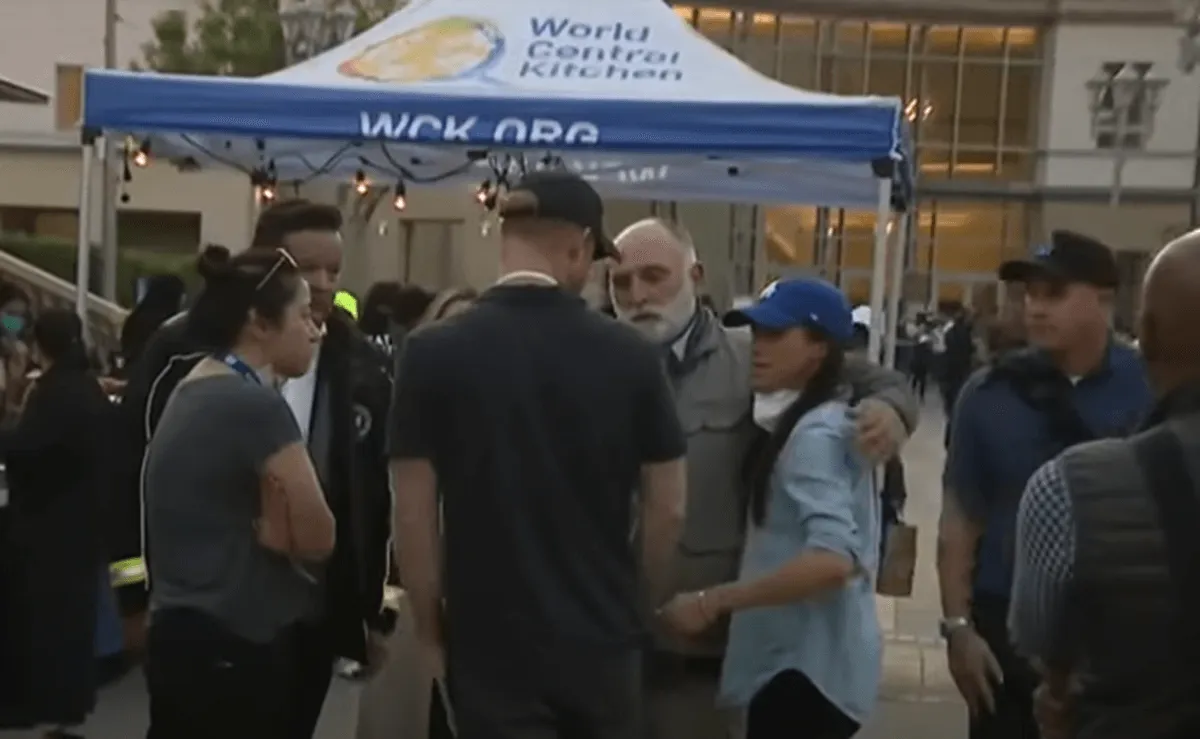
{"x":612,"y":512}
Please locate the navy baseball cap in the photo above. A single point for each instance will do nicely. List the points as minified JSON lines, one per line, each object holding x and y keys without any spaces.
{"x":800,"y":303}
{"x":1069,"y":257}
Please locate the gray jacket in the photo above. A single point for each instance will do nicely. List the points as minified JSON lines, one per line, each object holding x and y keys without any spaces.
{"x":715,"y":407}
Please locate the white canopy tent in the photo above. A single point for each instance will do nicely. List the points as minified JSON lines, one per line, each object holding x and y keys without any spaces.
{"x":623,"y":91}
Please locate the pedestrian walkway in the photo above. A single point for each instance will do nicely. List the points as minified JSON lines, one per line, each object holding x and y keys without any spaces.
{"x":915,"y":658}
{"x":919,"y":699}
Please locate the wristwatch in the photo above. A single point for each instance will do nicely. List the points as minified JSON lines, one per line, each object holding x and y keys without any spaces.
{"x":947,"y":626}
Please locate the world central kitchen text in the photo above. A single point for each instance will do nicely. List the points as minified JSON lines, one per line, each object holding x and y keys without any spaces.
{"x":567,"y":49}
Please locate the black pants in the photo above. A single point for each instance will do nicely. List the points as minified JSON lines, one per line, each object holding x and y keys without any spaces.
{"x":919,"y":381}
{"x":551,"y":694}
{"x":791,"y":707}
{"x":1013,"y":718}
{"x":311,"y":647}
{"x":206,"y":683}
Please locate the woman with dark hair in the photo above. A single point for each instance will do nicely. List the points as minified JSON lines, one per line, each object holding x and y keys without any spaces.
{"x":391,"y":309}
{"x":236,"y":518}
{"x":163,"y":299}
{"x":55,"y":458}
{"x":804,"y":651}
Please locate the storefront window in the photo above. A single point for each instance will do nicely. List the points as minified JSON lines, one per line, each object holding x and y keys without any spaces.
{"x":971,"y":97}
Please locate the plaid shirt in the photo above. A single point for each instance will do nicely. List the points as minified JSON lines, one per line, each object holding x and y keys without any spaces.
{"x":1044,"y":566}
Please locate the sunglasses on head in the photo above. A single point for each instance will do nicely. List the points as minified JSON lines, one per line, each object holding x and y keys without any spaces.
{"x":284,"y":259}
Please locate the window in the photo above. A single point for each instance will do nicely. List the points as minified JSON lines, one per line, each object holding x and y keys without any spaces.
{"x":1131,"y":121}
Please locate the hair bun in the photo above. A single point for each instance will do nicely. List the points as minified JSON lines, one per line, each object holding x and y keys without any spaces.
{"x":215,"y":263}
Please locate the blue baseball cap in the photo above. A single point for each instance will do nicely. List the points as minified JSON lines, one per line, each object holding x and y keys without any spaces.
{"x":801,"y":303}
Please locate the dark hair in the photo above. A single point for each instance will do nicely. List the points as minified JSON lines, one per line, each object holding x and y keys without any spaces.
{"x":287,"y":217}
{"x":764,"y":450}
{"x":257,"y":279}
{"x":58,"y":333}
{"x":10,"y":292}
{"x":393,"y":302}
{"x":163,"y":299}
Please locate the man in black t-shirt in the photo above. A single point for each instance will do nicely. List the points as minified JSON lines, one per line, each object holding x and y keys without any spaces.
{"x":531,"y":418}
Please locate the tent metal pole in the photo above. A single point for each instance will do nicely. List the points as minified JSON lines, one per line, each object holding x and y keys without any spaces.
{"x":879,"y":268}
{"x":895,"y":288}
{"x":83,"y":252}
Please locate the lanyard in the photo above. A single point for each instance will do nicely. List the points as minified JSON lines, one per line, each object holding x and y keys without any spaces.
{"x":238,"y":365}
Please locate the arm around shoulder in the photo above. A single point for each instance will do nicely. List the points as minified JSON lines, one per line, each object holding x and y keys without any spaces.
{"x":869,"y":380}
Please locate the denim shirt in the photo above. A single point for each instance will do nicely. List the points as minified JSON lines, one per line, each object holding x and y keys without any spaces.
{"x":821,"y":496}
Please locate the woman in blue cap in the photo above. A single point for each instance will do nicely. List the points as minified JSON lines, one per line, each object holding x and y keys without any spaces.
{"x":804,"y":652}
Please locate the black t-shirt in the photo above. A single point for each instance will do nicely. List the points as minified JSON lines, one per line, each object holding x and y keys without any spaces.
{"x":537,"y":415}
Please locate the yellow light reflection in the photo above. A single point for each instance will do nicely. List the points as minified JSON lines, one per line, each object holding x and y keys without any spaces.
{"x":941,"y":39}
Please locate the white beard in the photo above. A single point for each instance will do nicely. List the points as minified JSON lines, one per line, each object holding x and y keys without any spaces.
{"x":663,"y":324}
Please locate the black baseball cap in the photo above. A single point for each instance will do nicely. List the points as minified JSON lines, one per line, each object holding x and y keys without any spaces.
{"x":557,"y":195}
{"x":1069,"y":257}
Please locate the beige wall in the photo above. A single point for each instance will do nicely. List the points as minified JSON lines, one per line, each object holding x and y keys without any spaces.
{"x":1138,"y":227}
{"x":375,"y":251}
{"x":50,"y":179}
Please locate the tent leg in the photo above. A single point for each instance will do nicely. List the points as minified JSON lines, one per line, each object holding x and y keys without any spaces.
{"x":83,"y":251}
{"x":254,"y":208}
{"x":895,"y":287}
{"x":879,"y":269}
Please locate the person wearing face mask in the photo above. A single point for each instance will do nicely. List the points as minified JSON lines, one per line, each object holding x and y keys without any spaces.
{"x":654,"y":287}
{"x":805,"y":649}
{"x":14,"y":353}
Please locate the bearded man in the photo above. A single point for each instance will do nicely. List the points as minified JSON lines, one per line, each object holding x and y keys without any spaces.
{"x":655,"y":288}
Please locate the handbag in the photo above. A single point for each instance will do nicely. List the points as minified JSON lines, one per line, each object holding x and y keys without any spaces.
{"x":898,"y":564}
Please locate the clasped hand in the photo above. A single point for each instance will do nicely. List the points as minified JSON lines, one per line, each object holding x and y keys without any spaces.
{"x":689,"y":614}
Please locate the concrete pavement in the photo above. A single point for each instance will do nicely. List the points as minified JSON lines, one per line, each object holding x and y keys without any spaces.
{"x":918,"y":696}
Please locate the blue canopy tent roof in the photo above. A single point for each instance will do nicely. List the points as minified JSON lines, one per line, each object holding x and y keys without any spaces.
{"x":623,"y":91}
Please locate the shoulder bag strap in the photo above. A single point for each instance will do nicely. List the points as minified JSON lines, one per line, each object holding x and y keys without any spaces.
{"x":1161,"y":458}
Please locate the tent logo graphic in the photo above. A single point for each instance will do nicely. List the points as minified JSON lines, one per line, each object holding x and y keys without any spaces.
{"x":443,"y":50}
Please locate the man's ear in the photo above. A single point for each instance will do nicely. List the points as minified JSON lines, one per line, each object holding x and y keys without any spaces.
{"x":697,"y":273}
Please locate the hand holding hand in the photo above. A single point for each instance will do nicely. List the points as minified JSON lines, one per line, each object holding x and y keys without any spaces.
{"x":880,"y":429}
{"x":689,"y":614}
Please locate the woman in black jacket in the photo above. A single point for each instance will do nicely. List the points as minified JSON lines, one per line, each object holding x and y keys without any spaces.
{"x":54,"y":452}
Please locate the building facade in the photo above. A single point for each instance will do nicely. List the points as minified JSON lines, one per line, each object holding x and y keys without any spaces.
{"x":996,"y":95}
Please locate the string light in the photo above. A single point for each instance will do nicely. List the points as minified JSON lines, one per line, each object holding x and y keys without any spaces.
{"x":141,"y":158}
{"x":267,"y":192}
{"x":484,"y":193}
{"x":400,"y":199}
{"x":361,"y":186}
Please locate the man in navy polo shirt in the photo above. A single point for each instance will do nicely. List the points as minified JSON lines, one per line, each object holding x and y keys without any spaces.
{"x":1073,"y":384}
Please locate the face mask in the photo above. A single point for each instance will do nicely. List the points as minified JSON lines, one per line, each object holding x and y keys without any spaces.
{"x":768,"y":407}
{"x":12,"y":325}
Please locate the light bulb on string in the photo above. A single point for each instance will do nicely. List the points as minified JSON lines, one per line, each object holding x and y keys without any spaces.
{"x":141,"y":157}
{"x":484,"y":192}
{"x":267,"y":192}
{"x":361,"y":186}
{"x":400,"y":198}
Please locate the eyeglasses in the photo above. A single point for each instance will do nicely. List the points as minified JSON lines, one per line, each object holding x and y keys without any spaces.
{"x":284,"y":259}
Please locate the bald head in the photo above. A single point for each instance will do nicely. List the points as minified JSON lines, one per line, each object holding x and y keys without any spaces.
{"x":657,"y":233}
{"x":1170,"y":335}
{"x":654,"y":284}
